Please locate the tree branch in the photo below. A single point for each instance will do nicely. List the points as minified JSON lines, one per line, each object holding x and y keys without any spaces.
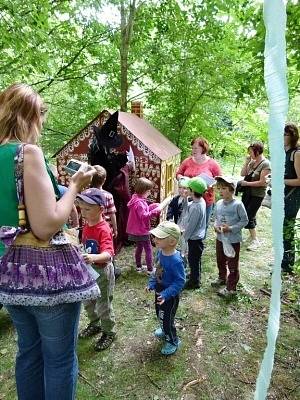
{"x":66,"y":66}
{"x":56,"y":132}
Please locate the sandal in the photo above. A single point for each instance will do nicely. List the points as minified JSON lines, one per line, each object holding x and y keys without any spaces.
{"x":105,"y":341}
{"x":91,"y":330}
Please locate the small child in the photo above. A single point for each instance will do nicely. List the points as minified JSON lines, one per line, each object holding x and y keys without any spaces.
{"x":183,"y":216}
{"x":195,"y":227}
{"x":138,"y":225}
{"x":109,"y":212}
{"x":168,"y":281}
{"x":98,"y":243}
{"x":231,"y":217}
{"x":176,"y":204}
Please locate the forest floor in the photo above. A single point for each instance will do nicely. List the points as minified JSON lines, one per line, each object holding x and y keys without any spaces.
{"x":222,"y":341}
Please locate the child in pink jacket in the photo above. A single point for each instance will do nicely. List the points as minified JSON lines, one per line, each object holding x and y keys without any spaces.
{"x":138,"y":224}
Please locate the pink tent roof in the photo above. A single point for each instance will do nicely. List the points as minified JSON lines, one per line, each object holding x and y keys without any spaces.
{"x":147,"y":134}
{"x":159,"y":144}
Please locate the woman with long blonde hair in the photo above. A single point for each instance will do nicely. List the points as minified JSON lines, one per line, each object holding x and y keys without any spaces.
{"x":44,"y":284}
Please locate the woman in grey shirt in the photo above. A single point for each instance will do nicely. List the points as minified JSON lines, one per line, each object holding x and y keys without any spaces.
{"x":255,"y":171}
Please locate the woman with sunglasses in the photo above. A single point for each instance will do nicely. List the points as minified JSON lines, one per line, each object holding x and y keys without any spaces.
{"x":291,"y":194}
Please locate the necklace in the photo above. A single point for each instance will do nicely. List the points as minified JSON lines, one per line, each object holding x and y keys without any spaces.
{"x":200,"y":159}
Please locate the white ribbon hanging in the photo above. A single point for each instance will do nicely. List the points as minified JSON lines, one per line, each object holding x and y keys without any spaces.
{"x":277,"y":91}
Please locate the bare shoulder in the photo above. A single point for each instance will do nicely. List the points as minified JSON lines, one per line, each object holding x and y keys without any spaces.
{"x":32,"y":150}
{"x":297,"y":154}
{"x":297,"y":159}
{"x":33,"y":154}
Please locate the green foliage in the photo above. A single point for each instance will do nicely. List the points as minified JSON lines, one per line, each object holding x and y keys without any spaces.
{"x":197,"y":66}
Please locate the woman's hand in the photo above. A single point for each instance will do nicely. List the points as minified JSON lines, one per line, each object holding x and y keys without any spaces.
{"x":83,"y":178}
{"x":244,"y":183}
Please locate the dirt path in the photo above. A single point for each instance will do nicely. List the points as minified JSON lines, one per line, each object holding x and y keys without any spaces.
{"x":222,"y":341}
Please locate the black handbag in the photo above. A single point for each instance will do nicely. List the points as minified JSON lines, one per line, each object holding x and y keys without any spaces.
{"x":247,"y":178}
{"x":243,"y":189}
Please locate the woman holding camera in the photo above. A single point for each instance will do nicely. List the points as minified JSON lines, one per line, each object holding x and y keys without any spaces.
{"x":255,"y":171}
{"x":291,"y":194}
{"x":43,"y":278}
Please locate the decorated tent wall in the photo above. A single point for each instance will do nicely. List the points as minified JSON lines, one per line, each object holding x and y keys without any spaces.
{"x":156,"y":158}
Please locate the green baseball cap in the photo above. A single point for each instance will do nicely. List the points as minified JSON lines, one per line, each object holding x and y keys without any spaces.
{"x":197,"y":185}
{"x":166,"y":229}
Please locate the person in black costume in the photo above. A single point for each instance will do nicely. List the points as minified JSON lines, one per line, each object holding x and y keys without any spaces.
{"x":105,"y":151}
{"x":291,"y":194}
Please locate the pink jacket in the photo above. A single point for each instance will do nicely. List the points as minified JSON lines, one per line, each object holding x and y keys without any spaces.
{"x":140,"y":214}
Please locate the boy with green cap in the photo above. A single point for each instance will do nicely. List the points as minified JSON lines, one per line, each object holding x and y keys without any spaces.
{"x":195,"y":227}
{"x":168,"y":281}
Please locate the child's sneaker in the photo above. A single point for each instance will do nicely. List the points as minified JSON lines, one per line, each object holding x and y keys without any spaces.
{"x":169,"y":348}
{"x":105,"y":341}
{"x":159,"y":333}
{"x":218,"y":283}
{"x":226,"y":293}
{"x":139,"y":269}
{"x":91,"y":330}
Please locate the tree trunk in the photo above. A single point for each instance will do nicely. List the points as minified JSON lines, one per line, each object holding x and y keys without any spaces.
{"x":126,"y":35}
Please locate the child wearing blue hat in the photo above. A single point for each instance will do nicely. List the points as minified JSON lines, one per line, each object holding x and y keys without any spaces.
{"x":98,"y":243}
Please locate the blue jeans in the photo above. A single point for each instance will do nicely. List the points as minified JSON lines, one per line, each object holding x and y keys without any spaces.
{"x":46,"y":363}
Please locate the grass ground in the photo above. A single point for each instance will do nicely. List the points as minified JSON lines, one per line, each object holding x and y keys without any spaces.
{"x":222,"y":341}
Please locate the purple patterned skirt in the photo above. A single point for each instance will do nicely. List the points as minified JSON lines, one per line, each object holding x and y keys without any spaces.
{"x":45,"y":277}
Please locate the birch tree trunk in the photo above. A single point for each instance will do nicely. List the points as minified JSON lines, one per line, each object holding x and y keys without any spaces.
{"x":126,"y":36}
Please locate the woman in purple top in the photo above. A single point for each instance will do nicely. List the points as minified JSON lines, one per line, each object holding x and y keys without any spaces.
{"x":42,"y":289}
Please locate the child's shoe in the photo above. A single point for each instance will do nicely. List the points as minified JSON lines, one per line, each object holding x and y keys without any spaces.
{"x":90,"y":330}
{"x":169,"y":348}
{"x":159,"y":333}
{"x":218,"y":283}
{"x":227,"y":294}
{"x":149,"y":272}
{"x":105,"y":341}
{"x":139,"y":269}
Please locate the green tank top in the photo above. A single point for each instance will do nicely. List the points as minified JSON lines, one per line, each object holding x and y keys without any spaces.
{"x":8,"y":193}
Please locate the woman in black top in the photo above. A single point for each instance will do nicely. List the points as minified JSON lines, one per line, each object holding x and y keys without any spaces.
{"x":291,"y":194}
